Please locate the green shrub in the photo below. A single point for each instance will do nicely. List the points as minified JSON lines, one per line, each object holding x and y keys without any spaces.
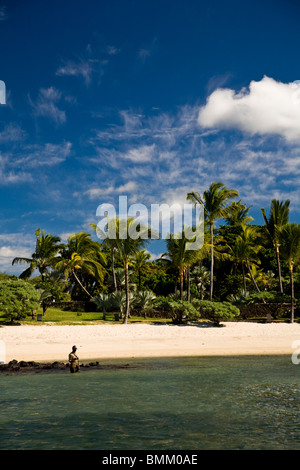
{"x":216,"y":311}
{"x":178,"y":310}
{"x":18,"y":298}
{"x":182,"y":309}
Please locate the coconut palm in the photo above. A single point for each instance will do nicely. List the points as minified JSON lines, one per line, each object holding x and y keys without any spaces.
{"x":238,"y":214}
{"x":278,"y":218}
{"x":130,"y":238}
{"x":180,"y":256}
{"x":82,"y":257}
{"x":214,"y":201}
{"x":140,"y":263}
{"x":245,"y":251}
{"x":290,"y":243}
{"x":111,"y":244}
{"x":46,"y":249}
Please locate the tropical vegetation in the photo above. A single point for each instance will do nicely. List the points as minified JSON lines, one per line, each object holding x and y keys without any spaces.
{"x":241,"y":264}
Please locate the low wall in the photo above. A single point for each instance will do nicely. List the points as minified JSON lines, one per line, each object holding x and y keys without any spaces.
{"x":276,"y":310}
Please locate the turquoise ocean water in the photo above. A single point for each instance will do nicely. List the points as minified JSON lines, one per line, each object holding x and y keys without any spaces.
{"x":203,"y":403}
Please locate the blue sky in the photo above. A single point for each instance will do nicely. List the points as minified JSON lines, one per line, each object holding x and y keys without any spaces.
{"x":148,"y":99}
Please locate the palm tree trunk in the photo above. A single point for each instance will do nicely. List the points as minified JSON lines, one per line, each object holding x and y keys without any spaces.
{"x":244,"y":277}
{"x":212,"y":261}
{"x":181,"y":282}
{"x":292,"y":292}
{"x":81,"y":285}
{"x":279,"y":268}
{"x":188,"y":284}
{"x":113,"y":269}
{"x":253,"y":280}
{"x":127,"y":292}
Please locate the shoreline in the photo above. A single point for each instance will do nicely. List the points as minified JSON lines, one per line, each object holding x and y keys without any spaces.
{"x":50,"y":343}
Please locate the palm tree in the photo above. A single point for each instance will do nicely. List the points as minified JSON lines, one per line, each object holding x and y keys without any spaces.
{"x":214,"y":201}
{"x":238,"y":214}
{"x":82,"y":257}
{"x":290,"y":242}
{"x":128,"y":244}
{"x":180,"y":256}
{"x":278,"y":218}
{"x":111,"y":244}
{"x":140,"y":263}
{"x":245,"y":252}
{"x":117,"y":280}
{"x":43,"y":258}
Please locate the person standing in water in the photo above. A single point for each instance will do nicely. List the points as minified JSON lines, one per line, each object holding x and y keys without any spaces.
{"x":74,"y":360}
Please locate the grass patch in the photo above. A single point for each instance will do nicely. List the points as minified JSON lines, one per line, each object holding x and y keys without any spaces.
{"x":66,"y":317}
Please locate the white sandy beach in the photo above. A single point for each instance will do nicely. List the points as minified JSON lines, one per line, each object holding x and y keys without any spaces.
{"x":49,"y":342}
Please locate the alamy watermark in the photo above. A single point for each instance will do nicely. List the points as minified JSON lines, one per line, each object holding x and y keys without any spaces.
{"x":162,"y":221}
{"x":2,"y":92}
{"x":296,"y":346}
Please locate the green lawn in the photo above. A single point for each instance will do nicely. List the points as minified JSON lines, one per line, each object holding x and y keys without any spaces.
{"x":65,"y":317}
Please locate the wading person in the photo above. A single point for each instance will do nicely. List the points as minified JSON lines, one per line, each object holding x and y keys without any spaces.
{"x":74,"y":360}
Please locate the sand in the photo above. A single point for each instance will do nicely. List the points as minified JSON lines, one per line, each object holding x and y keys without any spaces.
{"x":49,"y":342}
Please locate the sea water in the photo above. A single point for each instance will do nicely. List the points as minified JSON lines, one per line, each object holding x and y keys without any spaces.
{"x":193,"y":403}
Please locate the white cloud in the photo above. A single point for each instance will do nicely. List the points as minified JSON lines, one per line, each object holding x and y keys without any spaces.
{"x":267,"y":107}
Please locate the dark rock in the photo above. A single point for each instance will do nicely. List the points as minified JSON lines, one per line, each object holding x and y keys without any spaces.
{"x":13,"y":362}
{"x":56,"y":366}
{"x":23,"y":364}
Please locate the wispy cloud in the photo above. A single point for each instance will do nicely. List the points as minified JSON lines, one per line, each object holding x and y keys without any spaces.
{"x":169,"y":154}
{"x":46,"y":105}
{"x":112,"y":50}
{"x":147,"y":50}
{"x":37,"y":155}
{"x":82,"y":68}
{"x":21,"y":166}
{"x":88,"y":65}
{"x":95,"y":193}
{"x":12,"y":133}
{"x":3,"y":13}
